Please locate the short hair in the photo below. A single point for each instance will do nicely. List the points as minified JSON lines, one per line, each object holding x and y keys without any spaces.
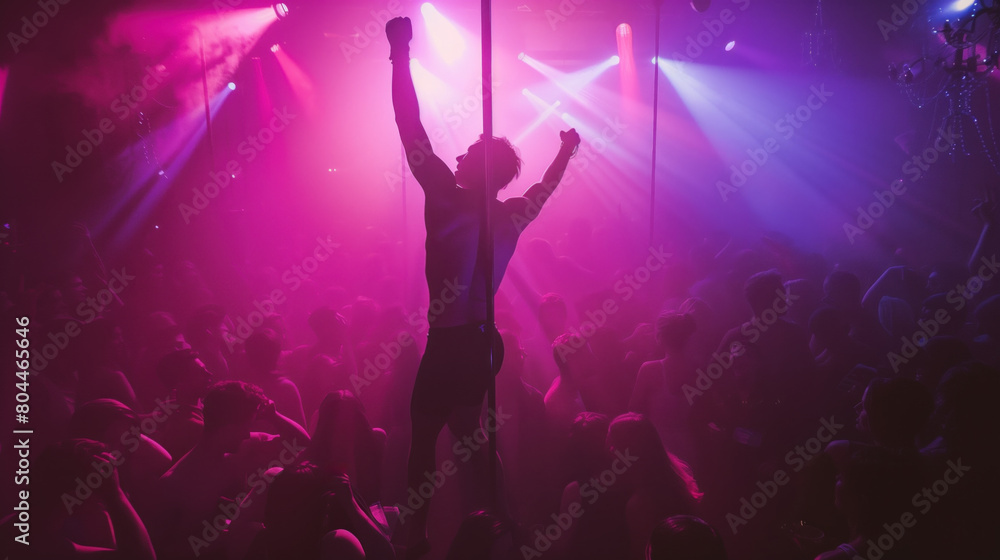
{"x":263,"y":348}
{"x":843,"y":286}
{"x":506,"y":162}
{"x":762,"y":289}
{"x":230,"y":402}
{"x":172,"y":366}
{"x":674,"y":329}
{"x":92,"y":418}
{"x":325,"y":321}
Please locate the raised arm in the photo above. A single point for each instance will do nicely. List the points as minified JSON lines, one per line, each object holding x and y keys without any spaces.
{"x":419,"y":154}
{"x":528,"y":206}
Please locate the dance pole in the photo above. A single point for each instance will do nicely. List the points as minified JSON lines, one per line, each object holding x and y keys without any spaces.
{"x":407,"y":290}
{"x":486,"y":231}
{"x":656,"y":99}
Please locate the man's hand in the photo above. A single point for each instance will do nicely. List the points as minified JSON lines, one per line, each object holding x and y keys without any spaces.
{"x":570,"y":139}
{"x":399,"y":31}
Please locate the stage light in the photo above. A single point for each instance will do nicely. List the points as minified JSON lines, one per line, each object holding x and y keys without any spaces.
{"x":231,"y":86}
{"x":525,"y":92}
{"x":275,"y":48}
{"x":520,"y":56}
{"x":616,"y":59}
{"x":960,"y":5}
{"x":624,"y":30}
{"x":730,"y":46}
{"x":701,"y":5}
{"x":444,"y":35}
{"x":281,"y":10}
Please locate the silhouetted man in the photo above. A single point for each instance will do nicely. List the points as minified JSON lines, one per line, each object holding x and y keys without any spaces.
{"x":455,"y":371}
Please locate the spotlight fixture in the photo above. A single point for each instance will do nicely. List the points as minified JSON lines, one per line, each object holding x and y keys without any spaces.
{"x":231,"y":85}
{"x":275,"y":48}
{"x":281,"y":10}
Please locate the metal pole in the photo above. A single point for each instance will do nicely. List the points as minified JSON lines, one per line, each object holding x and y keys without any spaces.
{"x":487,"y":234}
{"x":656,"y":99}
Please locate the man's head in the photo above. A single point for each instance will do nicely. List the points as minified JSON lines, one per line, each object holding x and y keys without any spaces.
{"x":504,"y":162}
{"x":762,"y":291}
{"x":230,"y":408}
{"x":184,"y":371}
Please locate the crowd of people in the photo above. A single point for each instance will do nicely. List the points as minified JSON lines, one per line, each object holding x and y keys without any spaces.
{"x":754,"y":403}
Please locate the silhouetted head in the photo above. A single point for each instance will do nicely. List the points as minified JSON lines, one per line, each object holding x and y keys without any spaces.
{"x":673,"y":330}
{"x":895,"y":410}
{"x":341,"y":423}
{"x":482,"y":536}
{"x":685,"y":537}
{"x":586,"y":449}
{"x":328,"y":325}
{"x":230,"y":408}
{"x":206,"y":326}
{"x":763,"y":290}
{"x":634,"y":435}
{"x":842,"y":289}
{"x":183,"y":370}
{"x":296,"y":512}
{"x":263,"y":348}
{"x":104,"y":420}
{"x":505,"y":164}
{"x":57,"y":472}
